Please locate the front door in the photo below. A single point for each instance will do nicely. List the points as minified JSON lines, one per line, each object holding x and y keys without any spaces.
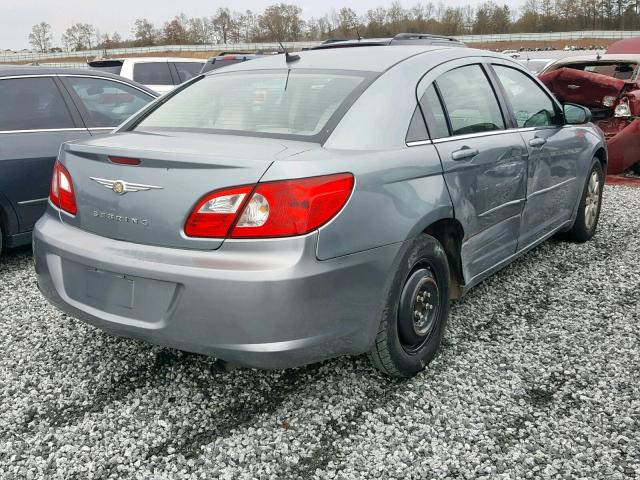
{"x":553,"y":155}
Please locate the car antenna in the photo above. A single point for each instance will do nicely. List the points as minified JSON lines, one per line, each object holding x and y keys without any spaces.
{"x":288,"y":57}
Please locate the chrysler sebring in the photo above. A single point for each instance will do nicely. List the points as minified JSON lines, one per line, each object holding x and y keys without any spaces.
{"x":298,"y":207}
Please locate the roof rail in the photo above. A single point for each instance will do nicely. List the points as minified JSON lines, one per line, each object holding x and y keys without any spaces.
{"x":409,"y":36}
{"x":334,"y":40}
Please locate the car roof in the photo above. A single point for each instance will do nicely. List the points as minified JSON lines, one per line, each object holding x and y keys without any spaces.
{"x":372,"y":59}
{"x":19,"y":71}
{"x":627,"y":45}
{"x":399,"y":39}
{"x":614,"y":57}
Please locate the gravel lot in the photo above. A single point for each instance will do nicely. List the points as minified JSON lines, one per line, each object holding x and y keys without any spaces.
{"x":539,"y":377}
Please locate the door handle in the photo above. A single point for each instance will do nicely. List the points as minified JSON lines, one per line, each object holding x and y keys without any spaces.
{"x":537,"y":141}
{"x":464,"y":152}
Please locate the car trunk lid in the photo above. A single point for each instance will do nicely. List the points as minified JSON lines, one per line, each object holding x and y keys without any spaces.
{"x":149,"y":203}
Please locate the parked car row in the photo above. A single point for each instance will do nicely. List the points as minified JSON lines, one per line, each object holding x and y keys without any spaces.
{"x":41,"y":108}
{"x":296,"y":207}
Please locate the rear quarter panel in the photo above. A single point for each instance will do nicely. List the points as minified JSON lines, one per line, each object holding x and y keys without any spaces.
{"x":397,"y":194}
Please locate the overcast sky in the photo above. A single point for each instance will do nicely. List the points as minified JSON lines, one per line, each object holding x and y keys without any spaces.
{"x":18,"y":16}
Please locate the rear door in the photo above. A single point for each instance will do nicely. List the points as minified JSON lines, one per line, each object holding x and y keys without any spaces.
{"x":484,"y":163}
{"x":105,"y":103}
{"x":36,"y":117}
{"x":553,"y":158}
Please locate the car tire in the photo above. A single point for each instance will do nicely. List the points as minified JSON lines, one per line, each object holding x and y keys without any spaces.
{"x":1,"y":234}
{"x":586,"y":222}
{"x":415,"y":311}
{"x":636,"y":168}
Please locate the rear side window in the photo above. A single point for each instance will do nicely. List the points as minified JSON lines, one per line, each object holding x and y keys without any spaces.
{"x":470,"y":102}
{"x":278,"y":103}
{"x":32,"y":104}
{"x":187,"y":70}
{"x":434,"y":113}
{"x":157,"y":73}
{"x":417,"y":129}
{"x":531,"y":106}
{"x":108,"y":103}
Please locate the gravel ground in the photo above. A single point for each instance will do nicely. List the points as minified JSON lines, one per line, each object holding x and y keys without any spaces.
{"x":538,"y":378}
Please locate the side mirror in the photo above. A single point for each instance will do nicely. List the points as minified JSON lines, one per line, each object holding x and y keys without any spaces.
{"x":576,"y":114}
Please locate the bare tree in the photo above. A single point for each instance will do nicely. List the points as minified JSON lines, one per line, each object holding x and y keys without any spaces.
{"x":144,"y":32}
{"x":78,"y":36}
{"x":40,"y":37}
{"x":222,"y":24}
{"x":282,"y":22}
{"x":175,"y":32}
{"x":347,"y":21}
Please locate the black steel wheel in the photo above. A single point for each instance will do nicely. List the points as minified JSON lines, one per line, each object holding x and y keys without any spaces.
{"x":415,"y":311}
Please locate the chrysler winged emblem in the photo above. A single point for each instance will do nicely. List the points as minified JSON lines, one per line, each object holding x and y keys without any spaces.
{"x":573,"y":87}
{"x":121,"y":187}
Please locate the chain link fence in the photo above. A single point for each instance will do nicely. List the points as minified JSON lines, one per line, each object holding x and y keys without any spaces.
{"x":31,"y":57}
{"x":50,"y":58}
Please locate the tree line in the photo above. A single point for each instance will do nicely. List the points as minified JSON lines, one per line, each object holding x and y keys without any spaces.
{"x":284,"y":22}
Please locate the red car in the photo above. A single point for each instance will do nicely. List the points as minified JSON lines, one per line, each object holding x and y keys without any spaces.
{"x":609,"y":86}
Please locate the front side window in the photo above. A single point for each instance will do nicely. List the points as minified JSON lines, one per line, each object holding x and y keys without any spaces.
{"x":531,"y":106}
{"x":108,"y":103}
{"x":261,"y":103}
{"x":32,"y":104}
{"x":156,"y":73}
{"x":469,"y":100}
{"x":187,"y":70}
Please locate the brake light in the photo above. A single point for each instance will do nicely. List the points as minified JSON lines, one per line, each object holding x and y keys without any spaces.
{"x":125,"y":160}
{"x":61,"y":191}
{"x":281,"y":208}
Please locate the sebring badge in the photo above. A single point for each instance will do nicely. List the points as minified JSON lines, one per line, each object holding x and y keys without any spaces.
{"x":121,"y":187}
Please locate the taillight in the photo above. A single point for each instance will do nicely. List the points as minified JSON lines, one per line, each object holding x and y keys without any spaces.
{"x":271,"y":209}
{"x":61,"y":190}
{"x":215,"y":213}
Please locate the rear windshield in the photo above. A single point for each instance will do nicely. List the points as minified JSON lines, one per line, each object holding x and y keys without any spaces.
{"x":219,"y":63}
{"x":275,"y":103}
{"x":620,"y":70}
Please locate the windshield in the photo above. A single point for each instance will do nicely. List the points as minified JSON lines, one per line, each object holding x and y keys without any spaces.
{"x":277,"y":103}
{"x":619,"y":70}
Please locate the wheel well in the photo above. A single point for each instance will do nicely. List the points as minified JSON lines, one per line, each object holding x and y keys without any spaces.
{"x":449,"y":233}
{"x":602,"y":156}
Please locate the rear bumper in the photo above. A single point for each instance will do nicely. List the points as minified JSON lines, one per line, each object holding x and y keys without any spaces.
{"x":268,"y":304}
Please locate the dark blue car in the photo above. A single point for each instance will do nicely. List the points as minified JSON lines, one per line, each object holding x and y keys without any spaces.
{"x":40,"y":108}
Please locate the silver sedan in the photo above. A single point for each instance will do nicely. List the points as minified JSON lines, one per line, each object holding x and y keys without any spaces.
{"x":295,"y":208}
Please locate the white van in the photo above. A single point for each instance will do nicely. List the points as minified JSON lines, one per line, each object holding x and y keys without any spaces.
{"x":161,"y":74}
